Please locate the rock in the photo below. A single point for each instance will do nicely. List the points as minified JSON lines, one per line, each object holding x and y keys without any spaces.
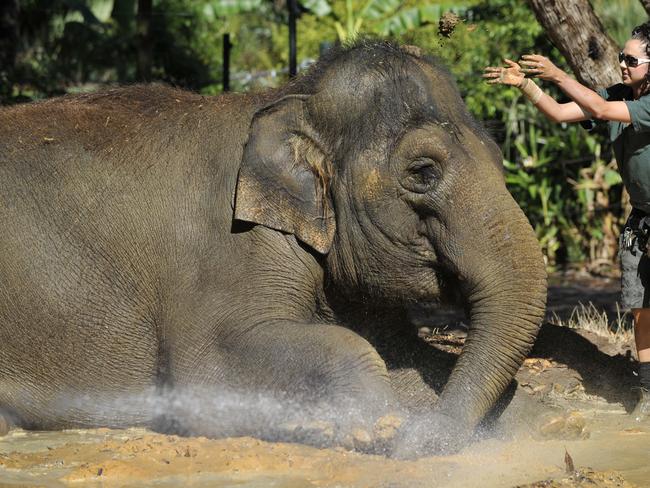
{"x":575,"y":389}
{"x":359,"y":440}
{"x":386,"y":427}
{"x":539,"y":365}
{"x":564,"y":426}
{"x":576,"y":426}
{"x":552,"y":426}
{"x":542,"y":389}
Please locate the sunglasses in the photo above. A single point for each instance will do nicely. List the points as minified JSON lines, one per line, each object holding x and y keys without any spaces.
{"x":631,"y":61}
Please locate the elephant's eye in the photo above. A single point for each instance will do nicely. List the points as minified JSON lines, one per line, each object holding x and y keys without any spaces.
{"x":422,"y":175}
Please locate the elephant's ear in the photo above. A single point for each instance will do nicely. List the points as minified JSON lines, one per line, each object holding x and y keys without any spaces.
{"x":284,"y":178}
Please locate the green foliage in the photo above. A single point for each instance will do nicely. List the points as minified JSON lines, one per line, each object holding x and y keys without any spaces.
{"x":486,"y":40}
{"x":225,"y":8}
{"x":350,"y":18}
{"x":73,"y":45}
{"x":320,"y":8}
{"x":620,"y":17}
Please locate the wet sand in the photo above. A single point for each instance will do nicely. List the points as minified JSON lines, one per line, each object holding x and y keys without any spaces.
{"x":137,"y":457}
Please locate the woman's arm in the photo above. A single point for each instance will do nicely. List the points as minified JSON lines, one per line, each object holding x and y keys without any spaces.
{"x":561,"y":112}
{"x":600,"y":108}
{"x":512,"y":75}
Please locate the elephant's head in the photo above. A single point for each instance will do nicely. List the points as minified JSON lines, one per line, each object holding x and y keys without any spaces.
{"x":373,"y":160}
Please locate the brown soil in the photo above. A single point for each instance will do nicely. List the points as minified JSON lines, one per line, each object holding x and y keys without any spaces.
{"x":564,"y":425}
{"x":584,"y":478}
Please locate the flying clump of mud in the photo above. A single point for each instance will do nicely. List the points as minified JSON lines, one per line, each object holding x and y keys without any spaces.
{"x":447,"y":24}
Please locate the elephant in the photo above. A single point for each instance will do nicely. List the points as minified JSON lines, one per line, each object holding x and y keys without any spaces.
{"x":159,"y":241}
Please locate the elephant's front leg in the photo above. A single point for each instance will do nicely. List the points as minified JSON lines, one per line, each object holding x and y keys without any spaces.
{"x":313,"y":383}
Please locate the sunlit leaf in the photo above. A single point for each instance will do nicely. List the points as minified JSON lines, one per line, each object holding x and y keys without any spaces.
{"x":320,"y":8}
{"x":378,"y":9}
{"x":224,"y":8}
{"x":81,"y":7}
{"x":612,"y":177}
{"x":402,"y":22}
{"x":431,"y":13}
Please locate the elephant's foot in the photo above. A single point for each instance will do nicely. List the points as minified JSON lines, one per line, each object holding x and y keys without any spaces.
{"x":379,"y":438}
{"x":431,"y":434}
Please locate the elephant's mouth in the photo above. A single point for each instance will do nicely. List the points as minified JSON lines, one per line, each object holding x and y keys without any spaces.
{"x":422,"y":247}
{"x":446,"y":289}
{"x":450,"y":290}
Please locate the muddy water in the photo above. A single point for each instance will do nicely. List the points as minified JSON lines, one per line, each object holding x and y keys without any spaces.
{"x":137,"y":457}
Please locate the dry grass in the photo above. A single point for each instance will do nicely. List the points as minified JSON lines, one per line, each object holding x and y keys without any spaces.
{"x":590,"y":318}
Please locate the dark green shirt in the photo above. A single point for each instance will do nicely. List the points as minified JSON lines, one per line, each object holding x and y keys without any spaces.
{"x":631,"y":144}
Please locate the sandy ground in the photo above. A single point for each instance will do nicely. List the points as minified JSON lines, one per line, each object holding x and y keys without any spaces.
{"x":566,"y":425}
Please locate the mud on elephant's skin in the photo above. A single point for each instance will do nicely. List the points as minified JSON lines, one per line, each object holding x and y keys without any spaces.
{"x":155,"y":240}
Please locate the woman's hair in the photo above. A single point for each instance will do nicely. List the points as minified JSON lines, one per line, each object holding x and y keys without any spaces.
{"x":642,"y":33}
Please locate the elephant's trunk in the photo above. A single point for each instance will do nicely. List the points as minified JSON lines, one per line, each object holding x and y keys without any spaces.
{"x":504,"y":281}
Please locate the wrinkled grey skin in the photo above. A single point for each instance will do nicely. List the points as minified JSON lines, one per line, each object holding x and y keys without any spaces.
{"x":154,"y":240}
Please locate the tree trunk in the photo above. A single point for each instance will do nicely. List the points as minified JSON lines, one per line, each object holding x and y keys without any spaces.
{"x":577,"y":32}
{"x":123,"y":15}
{"x":8,"y":44}
{"x":143,"y":40}
{"x":646,"y":6}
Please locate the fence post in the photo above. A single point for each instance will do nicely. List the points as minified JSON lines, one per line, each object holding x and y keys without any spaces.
{"x":144,"y":42}
{"x":226,"y":62}
{"x":293,"y":10}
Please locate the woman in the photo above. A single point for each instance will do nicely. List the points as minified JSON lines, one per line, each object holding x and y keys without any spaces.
{"x":626,"y":108}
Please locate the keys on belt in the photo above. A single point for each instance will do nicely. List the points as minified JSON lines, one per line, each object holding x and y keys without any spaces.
{"x":628,"y":238}
{"x":636,"y":230}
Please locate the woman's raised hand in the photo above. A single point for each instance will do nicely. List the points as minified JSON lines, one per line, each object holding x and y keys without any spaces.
{"x":541,"y":67}
{"x":511,"y":75}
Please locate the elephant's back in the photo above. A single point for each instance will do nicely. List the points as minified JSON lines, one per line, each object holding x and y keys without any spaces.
{"x":136,"y":126}
{"x":119,"y":169}
{"x":139,"y":150}
{"x":119,"y":182}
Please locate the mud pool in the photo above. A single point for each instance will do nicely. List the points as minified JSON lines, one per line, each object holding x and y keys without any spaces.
{"x":566,"y":425}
